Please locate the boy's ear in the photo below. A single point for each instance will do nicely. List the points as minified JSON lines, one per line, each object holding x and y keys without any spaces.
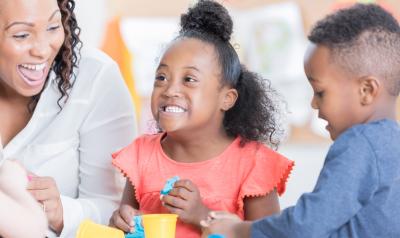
{"x":369,"y":89}
{"x":229,"y":100}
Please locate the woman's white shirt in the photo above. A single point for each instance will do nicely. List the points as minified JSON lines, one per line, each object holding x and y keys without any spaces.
{"x":74,"y":145}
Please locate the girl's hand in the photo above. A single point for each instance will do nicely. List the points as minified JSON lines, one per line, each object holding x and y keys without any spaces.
{"x":185,"y":201}
{"x":227,"y":224}
{"x":122,"y":218}
{"x":45,"y":191}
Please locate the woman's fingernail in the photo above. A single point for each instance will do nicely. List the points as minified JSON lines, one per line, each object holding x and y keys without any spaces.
{"x":29,"y":177}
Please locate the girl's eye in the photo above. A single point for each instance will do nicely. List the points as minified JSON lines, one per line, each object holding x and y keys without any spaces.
{"x":53,"y":28}
{"x":21,"y":36}
{"x":160,"y":78}
{"x":190,"y":79}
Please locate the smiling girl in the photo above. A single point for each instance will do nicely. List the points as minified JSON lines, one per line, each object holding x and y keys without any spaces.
{"x":215,"y":117}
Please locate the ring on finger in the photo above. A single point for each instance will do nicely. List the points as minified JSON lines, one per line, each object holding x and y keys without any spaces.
{"x":43,"y":206}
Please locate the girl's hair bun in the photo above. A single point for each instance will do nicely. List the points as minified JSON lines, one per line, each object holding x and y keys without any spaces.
{"x":208,"y":17}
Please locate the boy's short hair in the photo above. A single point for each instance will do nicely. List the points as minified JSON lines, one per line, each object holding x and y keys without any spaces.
{"x":365,"y":41}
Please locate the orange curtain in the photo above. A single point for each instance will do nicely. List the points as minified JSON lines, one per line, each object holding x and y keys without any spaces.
{"x":115,"y":47}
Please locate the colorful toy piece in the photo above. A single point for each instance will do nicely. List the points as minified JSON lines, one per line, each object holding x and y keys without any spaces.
{"x":160,"y":225}
{"x":169,"y":185}
{"x":139,"y":231}
{"x":215,"y":236}
{"x":89,"y":229}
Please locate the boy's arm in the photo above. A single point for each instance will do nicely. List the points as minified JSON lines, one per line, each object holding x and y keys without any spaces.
{"x":347,"y":180}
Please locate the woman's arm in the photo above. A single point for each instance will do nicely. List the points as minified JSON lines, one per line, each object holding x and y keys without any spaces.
{"x":258,"y":207}
{"x":109,"y":125}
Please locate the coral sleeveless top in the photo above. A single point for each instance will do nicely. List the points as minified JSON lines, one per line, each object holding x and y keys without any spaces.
{"x":223,"y":181}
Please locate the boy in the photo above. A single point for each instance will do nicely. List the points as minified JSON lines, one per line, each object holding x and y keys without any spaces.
{"x":353,"y":66}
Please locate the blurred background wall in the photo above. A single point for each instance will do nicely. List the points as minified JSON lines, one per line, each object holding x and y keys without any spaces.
{"x":270,"y":37}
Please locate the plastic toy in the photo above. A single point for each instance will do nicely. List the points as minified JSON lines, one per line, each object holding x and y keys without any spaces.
{"x":169,"y":185}
{"x":139,"y":231}
{"x":89,"y":229}
{"x":159,"y":225}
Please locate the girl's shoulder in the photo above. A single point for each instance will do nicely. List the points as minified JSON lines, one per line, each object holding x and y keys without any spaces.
{"x":255,"y":149}
{"x":261,"y":171}
{"x":144,"y":142}
{"x":261,"y":160}
{"x":149,"y":138}
{"x":255,"y":156}
{"x":131,"y":159}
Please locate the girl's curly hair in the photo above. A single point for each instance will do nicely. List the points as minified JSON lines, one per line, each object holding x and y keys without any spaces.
{"x":67,"y":57}
{"x":254,"y":117}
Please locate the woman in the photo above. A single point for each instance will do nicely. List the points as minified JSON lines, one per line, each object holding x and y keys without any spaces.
{"x":62,"y":112}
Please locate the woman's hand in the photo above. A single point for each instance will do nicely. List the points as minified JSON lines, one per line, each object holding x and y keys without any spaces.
{"x":122,"y":218}
{"x":45,"y":191}
{"x":185,"y":201}
{"x":227,"y":224}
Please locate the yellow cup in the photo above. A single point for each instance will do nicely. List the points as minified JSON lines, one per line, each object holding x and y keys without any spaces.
{"x":159,"y":225}
{"x":89,"y":229}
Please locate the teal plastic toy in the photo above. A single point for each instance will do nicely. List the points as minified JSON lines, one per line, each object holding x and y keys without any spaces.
{"x":215,"y":236}
{"x":139,"y":231}
{"x":169,"y":185}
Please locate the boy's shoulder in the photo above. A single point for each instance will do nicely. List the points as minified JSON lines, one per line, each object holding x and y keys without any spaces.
{"x":373,"y":139}
{"x":375,"y":132}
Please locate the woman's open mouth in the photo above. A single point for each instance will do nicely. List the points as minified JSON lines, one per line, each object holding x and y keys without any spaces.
{"x":33,"y":74}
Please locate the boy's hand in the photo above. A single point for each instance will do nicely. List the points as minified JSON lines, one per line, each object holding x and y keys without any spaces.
{"x":227,"y":224}
{"x":185,"y":201}
{"x":122,"y":218}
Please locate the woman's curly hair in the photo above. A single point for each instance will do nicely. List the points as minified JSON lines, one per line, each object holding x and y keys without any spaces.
{"x":255,"y":114}
{"x":67,"y":57}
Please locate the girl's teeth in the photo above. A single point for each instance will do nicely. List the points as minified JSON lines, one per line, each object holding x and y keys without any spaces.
{"x":35,"y":67}
{"x":174,"y":109}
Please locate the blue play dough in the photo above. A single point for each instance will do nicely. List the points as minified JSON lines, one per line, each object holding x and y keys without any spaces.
{"x":215,"y":236}
{"x":134,"y":235}
{"x":139,"y":231}
{"x":169,"y":185}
